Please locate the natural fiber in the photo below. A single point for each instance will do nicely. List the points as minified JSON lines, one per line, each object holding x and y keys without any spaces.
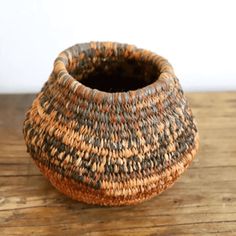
{"x":111,"y":126}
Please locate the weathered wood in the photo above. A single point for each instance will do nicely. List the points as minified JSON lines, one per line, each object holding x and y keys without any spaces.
{"x":202,"y":202}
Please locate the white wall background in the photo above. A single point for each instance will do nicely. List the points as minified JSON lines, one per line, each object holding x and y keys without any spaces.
{"x":197,"y":37}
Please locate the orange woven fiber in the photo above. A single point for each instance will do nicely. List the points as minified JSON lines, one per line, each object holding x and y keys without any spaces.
{"x":111,"y":126}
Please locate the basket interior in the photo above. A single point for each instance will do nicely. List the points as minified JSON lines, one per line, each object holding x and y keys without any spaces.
{"x":115,"y":74}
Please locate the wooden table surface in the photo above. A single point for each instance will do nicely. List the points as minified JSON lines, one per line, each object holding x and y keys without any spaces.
{"x":202,"y":202}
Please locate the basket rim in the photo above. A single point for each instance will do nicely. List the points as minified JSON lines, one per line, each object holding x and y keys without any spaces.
{"x":163,"y":81}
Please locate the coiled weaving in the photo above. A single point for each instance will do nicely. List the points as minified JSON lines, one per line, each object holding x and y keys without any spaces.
{"x":111,"y":126}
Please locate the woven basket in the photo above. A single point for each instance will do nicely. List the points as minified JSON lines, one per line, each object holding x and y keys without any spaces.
{"x":111,"y":126}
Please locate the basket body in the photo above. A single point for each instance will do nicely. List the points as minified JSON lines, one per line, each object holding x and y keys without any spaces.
{"x":110,"y":147}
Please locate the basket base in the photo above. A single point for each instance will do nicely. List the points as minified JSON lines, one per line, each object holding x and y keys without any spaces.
{"x":81,"y":192}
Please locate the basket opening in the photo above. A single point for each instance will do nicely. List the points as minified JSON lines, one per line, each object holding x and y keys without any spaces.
{"x":115,"y":74}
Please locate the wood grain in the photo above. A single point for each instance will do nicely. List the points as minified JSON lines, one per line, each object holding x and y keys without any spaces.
{"x":202,"y":202}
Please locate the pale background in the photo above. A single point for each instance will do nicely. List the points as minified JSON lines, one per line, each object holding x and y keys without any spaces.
{"x":197,"y":37}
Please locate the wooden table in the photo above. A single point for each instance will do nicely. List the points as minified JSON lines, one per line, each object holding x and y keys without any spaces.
{"x":202,"y":202}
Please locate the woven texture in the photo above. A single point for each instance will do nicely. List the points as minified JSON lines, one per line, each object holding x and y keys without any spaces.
{"x":111,"y":126}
